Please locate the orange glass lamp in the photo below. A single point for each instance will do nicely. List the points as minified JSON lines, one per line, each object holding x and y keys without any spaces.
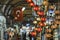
{"x":39,"y":29}
{"x":48,"y":35}
{"x":48,"y":30}
{"x":29,"y":0}
{"x":43,"y":19}
{"x":33,"y":34}
{"x":54,"y":26}
{"x":41,"y":24}
{"x":45,"y":3}
{"x":57,"y":12}
{"x":35,"y":29}
{"x":32,"y":4}
{"x":35,"y":22}
{"x":36,"y":8}
{"x":40,"y":13}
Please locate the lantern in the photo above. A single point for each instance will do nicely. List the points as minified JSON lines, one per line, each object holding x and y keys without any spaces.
{"x":33,"y":33}
{"x":39,"y":29}
{"x":43,"y":19}
{"x":48,"y":35}
{"x":45,"y":3}
{"x":57,"y":12}
{"x":40,"y":13}
{"x":38,"y":19}
{"x":41,"y":24}
{"x":36,"y":29}
{"x":36,"y":8}
{"x":48,"y":30}
{"x":57,"y":22}
{"x":29,"y":0}
{"x":51,"y":7}
{"x":35,"y":22}
{"x":54,"y":26}
{"x":32,"y":4}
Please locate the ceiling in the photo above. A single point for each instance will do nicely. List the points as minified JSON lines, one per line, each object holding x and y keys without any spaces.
{"x":17,"y":3}
{"x":11,"y":1}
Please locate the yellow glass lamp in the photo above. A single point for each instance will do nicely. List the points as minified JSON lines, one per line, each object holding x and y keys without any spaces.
{"x":35,"y":22}
{"x":41,"y":24}
{"x":38,"y":19}
{"x":45,"y":3}
{"x":33,"y":33}
{"x":32,"y":4}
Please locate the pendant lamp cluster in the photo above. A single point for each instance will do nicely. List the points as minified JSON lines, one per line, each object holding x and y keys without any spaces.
{"x":41,"y":14}
{"x":31,"y":3}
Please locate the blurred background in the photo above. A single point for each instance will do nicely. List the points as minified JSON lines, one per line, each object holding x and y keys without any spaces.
{"x":29,"y":19}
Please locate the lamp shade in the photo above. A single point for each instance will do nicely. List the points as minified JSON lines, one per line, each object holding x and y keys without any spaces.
{"x":41,"y":24}
{"x":54,"y":26}
{"x":32,"y":4}
{"x":36,"y":29}
{"x":33,"y":34}
{"x":45,"y":3}
{"x":39,"y":29}
{"x":43,"y":19}
{"x":38,"y":19}
{"x":48,"y":35}
{"x":29,"y":0}
{"x":48,"y":30}
{"x":35,"y":22}
{"x":36,"y":8}
{"x":40,"y":13}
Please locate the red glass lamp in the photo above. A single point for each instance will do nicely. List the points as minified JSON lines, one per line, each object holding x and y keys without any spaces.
{"x":33,"y":34}
{"x":43,"y":19}
{"x":39,"y":29}
{"x":40,"y":13}
{"x":32,"y":4}
{"x":41,"y":24}
{"x":29,"y":0}
{"x":36,"y":8}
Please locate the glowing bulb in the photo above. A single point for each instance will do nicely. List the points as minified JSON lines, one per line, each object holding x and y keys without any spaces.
{"x":23,"y":8}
